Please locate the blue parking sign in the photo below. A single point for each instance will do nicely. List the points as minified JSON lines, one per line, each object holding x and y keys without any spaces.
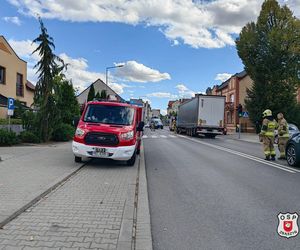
{"x":11,"y":103}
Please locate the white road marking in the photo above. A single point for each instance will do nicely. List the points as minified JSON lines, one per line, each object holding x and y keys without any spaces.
{"x":163,"y":136}
{"x":153,"y":136}
{"x":250,"y":157}
{"x":145,"y":136}
{"x":172,"y":136}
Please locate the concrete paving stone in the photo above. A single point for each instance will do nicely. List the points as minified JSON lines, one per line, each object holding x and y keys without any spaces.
{"x":99,"y":245}
{"x":27,"y":243}
{"x":12,"y":248}
{"x":86,"y":212}
{"x":63,"y":244}
{"x":22,"y":181}
{"x":45,"y":243}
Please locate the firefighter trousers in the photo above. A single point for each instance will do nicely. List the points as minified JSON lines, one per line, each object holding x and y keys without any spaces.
{"x":282,"y":145}
{"x":268,"y":143}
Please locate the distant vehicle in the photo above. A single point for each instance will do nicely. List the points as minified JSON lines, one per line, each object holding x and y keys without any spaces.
{"x":204,"y":114}
{"x":157,"y":123}
{"x":110,"y":130}
{"x":293,"y":129}
{"x":293,"y":150}
{"x":147,"y":125}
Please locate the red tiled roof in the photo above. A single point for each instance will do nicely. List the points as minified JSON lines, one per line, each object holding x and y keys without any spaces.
{"x":170,"y":104}
{"x":30,"y":85}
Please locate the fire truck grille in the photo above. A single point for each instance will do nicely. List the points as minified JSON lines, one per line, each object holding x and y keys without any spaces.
{"x":101,"y":139}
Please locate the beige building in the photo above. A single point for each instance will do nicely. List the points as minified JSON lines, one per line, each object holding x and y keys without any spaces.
{"x":13,"y":78}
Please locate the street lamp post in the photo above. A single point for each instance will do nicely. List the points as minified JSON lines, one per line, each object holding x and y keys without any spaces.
{"x":106,"y":75}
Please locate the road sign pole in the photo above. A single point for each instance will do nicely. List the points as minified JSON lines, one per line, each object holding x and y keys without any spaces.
{"x":239,"y":129}
{"x":9,"y":123}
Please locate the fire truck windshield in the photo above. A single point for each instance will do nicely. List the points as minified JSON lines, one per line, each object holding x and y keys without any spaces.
{"x":117,"y":115}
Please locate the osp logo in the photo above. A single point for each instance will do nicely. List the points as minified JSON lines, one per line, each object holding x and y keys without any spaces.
{"x":288,"y":225}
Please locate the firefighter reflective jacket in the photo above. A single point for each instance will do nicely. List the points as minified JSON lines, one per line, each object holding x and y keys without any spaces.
{"x":268,"y":127}
{"x":283,"y":128}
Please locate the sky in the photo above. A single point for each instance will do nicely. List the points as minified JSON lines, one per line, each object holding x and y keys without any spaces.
{"x":169,"y":49}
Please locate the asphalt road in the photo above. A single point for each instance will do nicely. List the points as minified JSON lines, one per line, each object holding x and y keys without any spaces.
{"x":217,"y":194}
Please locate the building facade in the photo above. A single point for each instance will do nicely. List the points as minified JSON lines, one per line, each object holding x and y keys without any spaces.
{"x":99,"y":85}
{"x":13,"y":78}
{"x":235,"y":91}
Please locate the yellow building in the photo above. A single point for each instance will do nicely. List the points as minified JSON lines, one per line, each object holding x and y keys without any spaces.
{"x":13,"y":78}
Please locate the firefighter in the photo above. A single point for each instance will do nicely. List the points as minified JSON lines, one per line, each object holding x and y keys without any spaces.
{"x":174,"y":125}
{"x":269,"y":125}
{"x":283,"y":135}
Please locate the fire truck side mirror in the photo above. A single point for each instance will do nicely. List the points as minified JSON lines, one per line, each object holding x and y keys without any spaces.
{"x":140,"y":127}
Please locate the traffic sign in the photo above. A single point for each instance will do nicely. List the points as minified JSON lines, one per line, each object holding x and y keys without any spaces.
{"x":245,"y":114}
{"x":10,"y":112}
{"x":11,"y":103}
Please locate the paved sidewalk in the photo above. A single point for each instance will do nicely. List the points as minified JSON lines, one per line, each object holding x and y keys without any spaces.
{"x":248,"y":137}
{"x":103,"y":206}
{"x":28,"y":171}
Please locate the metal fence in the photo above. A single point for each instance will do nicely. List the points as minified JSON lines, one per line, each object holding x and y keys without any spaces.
{"x":15,"y":128}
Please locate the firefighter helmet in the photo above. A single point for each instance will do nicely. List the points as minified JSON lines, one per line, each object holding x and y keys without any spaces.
{"x":267,"y":112}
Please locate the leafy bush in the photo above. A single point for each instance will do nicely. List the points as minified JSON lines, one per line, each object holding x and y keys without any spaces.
{"x":29,"y":137}
{"x":12,"y":121}
{"x":63,"y":132}
{"x":8,"y":138}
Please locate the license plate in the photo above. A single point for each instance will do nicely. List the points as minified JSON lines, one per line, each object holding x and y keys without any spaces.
{"x":100,"y":152}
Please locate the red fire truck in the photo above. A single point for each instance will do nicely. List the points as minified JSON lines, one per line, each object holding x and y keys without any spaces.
{"x":109,"y":129}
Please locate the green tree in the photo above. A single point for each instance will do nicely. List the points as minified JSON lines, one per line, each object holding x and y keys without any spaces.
{"x":66,"y":100}
{"x":97,"y":96}
{"x":48,"y":66}
{"x":91,"y":94}
{"x":270,"y":51}
{"x":103,"y":94}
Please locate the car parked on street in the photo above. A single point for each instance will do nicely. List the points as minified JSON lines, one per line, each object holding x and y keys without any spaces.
{"x":293,"y":150}
{"x":157,"y":123}
{"x":293,"y":129}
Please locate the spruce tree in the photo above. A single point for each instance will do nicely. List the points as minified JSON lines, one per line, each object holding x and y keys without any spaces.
{"x":91,"y":94}
{"x":48,"y":67}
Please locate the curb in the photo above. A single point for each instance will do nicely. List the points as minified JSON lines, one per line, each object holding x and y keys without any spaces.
{"x":143,"y":226}
{"x":135,"y":232}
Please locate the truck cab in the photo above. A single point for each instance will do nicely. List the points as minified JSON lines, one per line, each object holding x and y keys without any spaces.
{"x":110,"y":130}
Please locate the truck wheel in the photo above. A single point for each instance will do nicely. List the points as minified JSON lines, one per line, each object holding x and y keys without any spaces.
{"x":131,"y":161}
{"x":210,"y":136}
{"x":78,"y":159}
{"x":194,"y":133}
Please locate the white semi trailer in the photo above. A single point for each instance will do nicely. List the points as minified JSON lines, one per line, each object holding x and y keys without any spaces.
{"x":203,"y":114}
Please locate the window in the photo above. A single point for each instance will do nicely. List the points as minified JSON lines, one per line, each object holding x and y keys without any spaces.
{"x":117,"y":115}
{"x":229,"y":117}
{"x":2,"y":75}
{"x":20,"y":87}
{"x":232,"y":97}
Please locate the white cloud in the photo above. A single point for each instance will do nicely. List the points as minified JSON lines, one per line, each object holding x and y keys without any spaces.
{"x":162,"y":95}
{"x":163,"y":111}
{"x":209,"y":24}
{"x":294,"y":5}
{"x":77,"y":70}
{"x":184,"y":92}
{"x":12,"y":19}
{"x":223,"y":77}
{"x":137,"y":72}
